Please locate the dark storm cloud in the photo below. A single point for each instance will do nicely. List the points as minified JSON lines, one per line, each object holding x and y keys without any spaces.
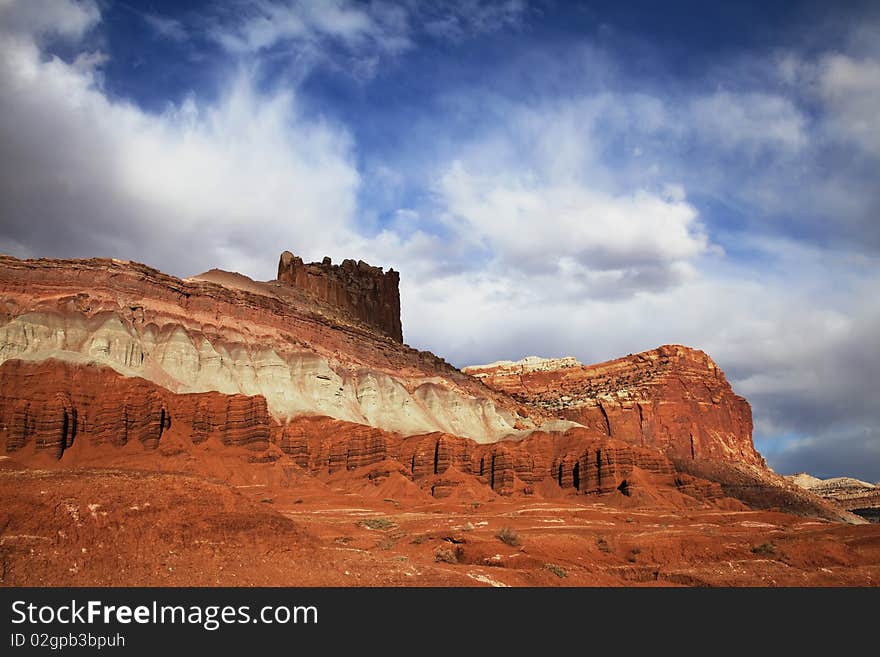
{"x":847,"y":452}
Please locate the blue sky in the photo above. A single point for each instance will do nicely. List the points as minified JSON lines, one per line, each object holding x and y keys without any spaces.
{"x":550,"y":178}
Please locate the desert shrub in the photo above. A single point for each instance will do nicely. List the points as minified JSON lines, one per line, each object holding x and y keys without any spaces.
{"x":766,"y":549}
{"x":377,"y":523}
{"x":509,"y":536}
{"x":559,"y":571}
{"x":445,"y":555}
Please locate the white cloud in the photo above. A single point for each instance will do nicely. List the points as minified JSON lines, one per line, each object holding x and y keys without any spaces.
{"x":851,"y":90}
{"x":459,"y":18}
{"x":536,"y":225}
{"x":168,"y":28}
{"x":366,"y":30}
{"x":200,"y":184}
{"x":533,"y":195}
{"x":749,"y":121}
{"x":36,"y":19}
{"x":267,"y":23}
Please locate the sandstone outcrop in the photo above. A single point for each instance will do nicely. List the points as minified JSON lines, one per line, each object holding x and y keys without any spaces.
{"x":104,"y":353}
{"x":60,"y":412}
{"x":222,"y":431}
{"x":365,"y":292}
{"x":673,"y":398}
{"x":223,"y":332}
{"x":68,"y":403}
{"x":577,"y":460}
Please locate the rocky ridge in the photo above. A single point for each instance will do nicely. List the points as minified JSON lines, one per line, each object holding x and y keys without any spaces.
{"x":94,"y":407}
{"x":222,"y":332}
{"x":76,"y":412}
{"x":673,"y":397}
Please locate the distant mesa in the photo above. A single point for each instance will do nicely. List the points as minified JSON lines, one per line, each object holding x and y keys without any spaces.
{"x":527,"y":364}
{"x":364,"y":291}
{"x":859,"y":497}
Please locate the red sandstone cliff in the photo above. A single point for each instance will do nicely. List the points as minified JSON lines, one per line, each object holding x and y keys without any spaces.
{"x":112,"y":355}
{"x":366,"y":292}
{"x":226,"y":333}
{"x":267,"y":405}
{"x":673,"y":398}
{"x":94,"y":407}
{"x":60,"y":413}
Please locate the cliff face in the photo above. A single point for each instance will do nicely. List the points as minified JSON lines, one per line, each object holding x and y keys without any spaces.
{"x":305,"y":355}
{"x":71,"y":406}
{"x":225,"y":333}
{"x":68,"y":404}
{"x":55,"y":414}
{"x":673,"y":398}
{"x":365,"y":292}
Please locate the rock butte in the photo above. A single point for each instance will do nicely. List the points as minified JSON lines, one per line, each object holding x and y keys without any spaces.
{"x":366,"y":292}
{"x":302,"y":390}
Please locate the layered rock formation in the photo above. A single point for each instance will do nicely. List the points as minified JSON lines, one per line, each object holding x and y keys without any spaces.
{"x":576,"y":461}
{"x":68,"y":403}
{"x":105,"y":354}
{"x":860,"y":497}
{"x":365,"y":292}
{"x":673,"y":398}
{"x":72,"y":411}
{"x":279,"y":432}
{"x":71,"y":404}
{"x":225,"y":333}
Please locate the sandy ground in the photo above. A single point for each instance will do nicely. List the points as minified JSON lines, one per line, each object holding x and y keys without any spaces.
{"x":113,"y":527}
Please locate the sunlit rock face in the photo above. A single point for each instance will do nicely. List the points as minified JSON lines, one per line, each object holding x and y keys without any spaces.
{"x":673,"y":397}
{"x":223,"y":332}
